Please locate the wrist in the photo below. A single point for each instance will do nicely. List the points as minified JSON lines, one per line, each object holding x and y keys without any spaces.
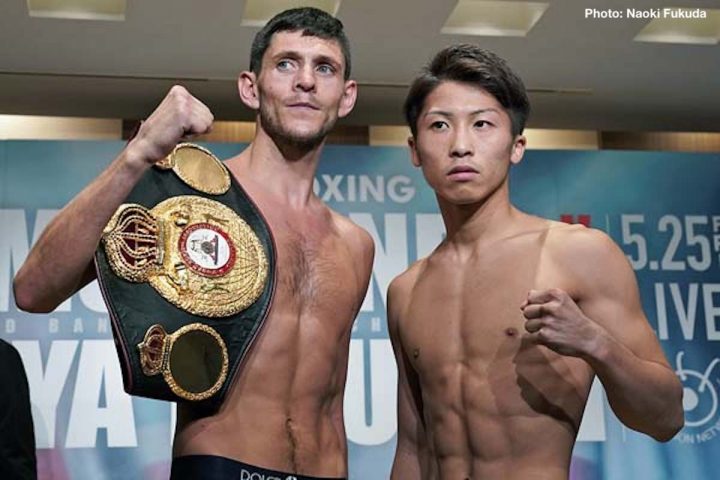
{"x":599,"y":349}
{"x":135,"y":158}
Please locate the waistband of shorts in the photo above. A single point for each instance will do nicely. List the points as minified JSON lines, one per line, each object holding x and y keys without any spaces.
{"x":211,"y":467}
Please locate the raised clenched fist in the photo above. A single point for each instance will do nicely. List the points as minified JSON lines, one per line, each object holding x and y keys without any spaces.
{"x":178,"y":117}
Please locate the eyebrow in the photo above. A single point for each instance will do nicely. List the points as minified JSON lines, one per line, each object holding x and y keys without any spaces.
{"x":444,"y":113}
{"x":327,"y":59}
{"x":286,"y":54}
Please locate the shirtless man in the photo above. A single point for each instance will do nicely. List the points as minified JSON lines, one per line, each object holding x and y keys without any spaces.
{"x":499,"y":332}
{"x":284,"y":414}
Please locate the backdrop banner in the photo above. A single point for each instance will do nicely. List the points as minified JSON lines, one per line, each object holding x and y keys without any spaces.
{"x":663,"y":209}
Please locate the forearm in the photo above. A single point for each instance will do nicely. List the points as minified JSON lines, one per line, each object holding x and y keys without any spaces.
{"x":56,"y":265}
{"x":645,"y":395}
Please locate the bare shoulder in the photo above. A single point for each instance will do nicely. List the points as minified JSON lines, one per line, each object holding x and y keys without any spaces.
{"x":578,"y":239}
{"x":401,"y":287}
{"x":581,"y":245}
{"x":357,"y":238}
{"x":403,"y":283}
{"x":590,"y":256}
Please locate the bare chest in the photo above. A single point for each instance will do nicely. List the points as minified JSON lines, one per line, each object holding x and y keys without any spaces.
{"x":464,"y":333}
{"x":315,"y":269}
{"x":470,"y":313}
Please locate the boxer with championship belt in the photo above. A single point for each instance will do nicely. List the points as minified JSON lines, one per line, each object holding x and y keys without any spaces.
{"x":282,"y":413}
{"x":186,"y":267}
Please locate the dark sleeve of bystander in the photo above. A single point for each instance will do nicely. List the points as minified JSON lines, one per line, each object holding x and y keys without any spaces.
{"x":17,"y":438}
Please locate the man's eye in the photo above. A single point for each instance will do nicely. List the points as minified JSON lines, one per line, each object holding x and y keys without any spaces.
{"x":284,"y":64}
{"x":482,"y":123}
{"x":325,"y":68}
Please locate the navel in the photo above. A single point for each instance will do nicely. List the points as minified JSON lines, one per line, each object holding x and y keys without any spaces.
{"x":416,"y":353}
{"x":511,"y":332}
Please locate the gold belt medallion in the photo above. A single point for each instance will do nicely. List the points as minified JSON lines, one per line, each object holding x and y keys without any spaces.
{"x":197,"y":167}
{"x":196,"y":252}
{"x":193,"y":360}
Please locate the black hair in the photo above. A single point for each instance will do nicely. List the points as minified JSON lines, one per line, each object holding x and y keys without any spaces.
{"x":312,"y":21}
{"x":473,"y":65}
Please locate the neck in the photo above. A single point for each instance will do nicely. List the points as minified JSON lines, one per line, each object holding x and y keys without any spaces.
{"x":486,"y":220}
{"x":284,"y":170}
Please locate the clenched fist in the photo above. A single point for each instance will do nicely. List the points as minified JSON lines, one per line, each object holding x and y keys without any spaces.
{"x":554,"y":320}
{"x":178,"y":117}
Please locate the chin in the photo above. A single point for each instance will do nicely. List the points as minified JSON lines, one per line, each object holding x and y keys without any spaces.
{"x":305,"y":133}
{"x":305,"y":136}
{"x":462,"y":196}
{"x":460,"y":202}
{"x":299,"y":130}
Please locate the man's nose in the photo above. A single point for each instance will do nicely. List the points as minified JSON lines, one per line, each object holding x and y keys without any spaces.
{"x":305,"y":79}
{"x":461,"y":144}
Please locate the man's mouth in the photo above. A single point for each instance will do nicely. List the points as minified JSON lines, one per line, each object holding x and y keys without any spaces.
{"x":462,"y":173}
{"x":462,"y":169}
{"x":307,"y":105}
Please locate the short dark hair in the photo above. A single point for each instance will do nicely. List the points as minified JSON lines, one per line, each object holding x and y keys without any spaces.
{"x":312,"y":21}
{"x":473,"y":65}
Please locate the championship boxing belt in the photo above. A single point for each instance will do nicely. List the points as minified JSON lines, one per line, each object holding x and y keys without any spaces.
{"x":186,"y":267}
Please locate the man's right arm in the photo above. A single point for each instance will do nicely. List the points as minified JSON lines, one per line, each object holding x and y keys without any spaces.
{"x":60,"y":263}
{"x":411,"y":450}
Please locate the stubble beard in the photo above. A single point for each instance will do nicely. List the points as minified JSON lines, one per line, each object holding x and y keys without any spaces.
{"x":284,"y":137}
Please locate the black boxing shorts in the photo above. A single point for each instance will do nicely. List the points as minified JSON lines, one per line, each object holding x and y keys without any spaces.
{"x":211,"y":467}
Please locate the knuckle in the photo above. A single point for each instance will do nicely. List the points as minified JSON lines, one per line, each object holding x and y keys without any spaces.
{"x":178,"y":90}
{"x":183,"y":109}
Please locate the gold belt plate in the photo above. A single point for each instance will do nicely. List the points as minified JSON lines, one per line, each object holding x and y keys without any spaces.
{"x":193,"y":360}
{"x":195,"y":252}
{"x":197,"y":167}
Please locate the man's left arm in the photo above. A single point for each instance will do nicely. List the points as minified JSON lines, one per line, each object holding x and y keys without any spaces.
{"x":604,"y":324}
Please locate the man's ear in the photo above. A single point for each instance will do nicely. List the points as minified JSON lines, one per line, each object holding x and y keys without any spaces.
{"x":414,"y":157}
{"x":347,"y":102}
{"x":518,"y":149}
{"x":248,"y":90}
